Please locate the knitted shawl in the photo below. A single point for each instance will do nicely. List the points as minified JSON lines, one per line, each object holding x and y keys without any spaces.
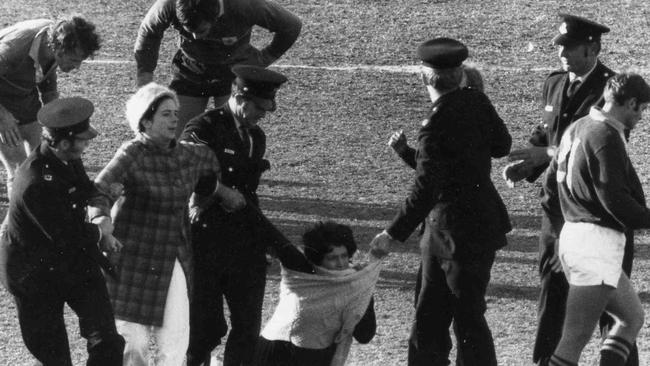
{"x":317,"y":310}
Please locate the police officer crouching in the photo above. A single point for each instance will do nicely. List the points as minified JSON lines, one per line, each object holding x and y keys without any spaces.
{"x":229,"y":247}
{"x":53,"y":255}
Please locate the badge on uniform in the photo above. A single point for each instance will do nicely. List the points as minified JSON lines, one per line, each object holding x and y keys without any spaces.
{"x":228,"y":151}
{"x":425,"y":122}
{"x":47,"y":177}
{"x":72,"y":189}
{"x":548,"y":108}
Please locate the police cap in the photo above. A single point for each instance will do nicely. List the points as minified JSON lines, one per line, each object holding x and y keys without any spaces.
{"x":259,"y":84}
{"x":575,"y":30}
{"x":442,"y":53}
{"x":68,"y":117}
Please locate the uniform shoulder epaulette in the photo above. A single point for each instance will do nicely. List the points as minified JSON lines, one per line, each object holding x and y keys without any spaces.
{"x":608,"y":73}
{"x":435,"y":112}
{"x":216,"y":116}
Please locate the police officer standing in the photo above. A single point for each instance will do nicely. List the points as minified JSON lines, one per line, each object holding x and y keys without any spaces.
{"x":467,"y":220}
{"x":53,"y":254}
{"x":229,"y":247}
{"x":568,"y":94}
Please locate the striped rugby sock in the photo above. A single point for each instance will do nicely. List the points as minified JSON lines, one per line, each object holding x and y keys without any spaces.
{"x":559,"y":361}
{"x":614,"y":351}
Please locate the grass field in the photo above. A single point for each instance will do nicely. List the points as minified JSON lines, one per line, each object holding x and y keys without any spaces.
{"x":327,"y":141}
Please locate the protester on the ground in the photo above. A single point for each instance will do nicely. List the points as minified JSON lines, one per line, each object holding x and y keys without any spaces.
{"x":230,"y":247}
{"x":30,"y":54}
{"x":53,"y":254}
{"x":150,"y":180}
{"x":466,"y":220}
{"x":567,"y":96}
{"x":594,"y":184}
{"x":325,"y":301}
{"x":214,"y":36}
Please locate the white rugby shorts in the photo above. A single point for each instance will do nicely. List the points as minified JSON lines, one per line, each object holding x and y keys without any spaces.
{"x":591,"y":254}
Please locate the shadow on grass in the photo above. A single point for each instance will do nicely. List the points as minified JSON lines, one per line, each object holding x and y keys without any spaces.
{"x":288,"y":183}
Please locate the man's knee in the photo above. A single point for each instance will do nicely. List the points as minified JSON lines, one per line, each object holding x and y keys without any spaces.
{"x":635,"y":322}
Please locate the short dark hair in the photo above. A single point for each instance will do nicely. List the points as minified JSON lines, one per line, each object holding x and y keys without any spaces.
{"x":624,"y":86}
{"x":72,"y":33}
{"x":52,"y":138}
{"x":321,"y":238}
{"x":153,"y":107}
{"x":191,"y":13}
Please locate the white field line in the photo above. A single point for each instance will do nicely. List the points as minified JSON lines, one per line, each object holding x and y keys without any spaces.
{"x":396,"y":69}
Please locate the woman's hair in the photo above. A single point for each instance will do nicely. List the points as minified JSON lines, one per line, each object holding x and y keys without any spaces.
{"x":52,"y":138}
{"x":321,"y":238}
{"x":473,"y":78}
{"x":74,"y":33}
{"x":148,"y":114}
{"x":144,"y":103}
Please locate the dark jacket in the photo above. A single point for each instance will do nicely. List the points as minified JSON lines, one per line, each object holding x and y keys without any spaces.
{"x":49,"y":242}
{"x":560,"y":111}
{"x":233,"y":237}
{"x":453,"y":164}
{"x":229,"y":39}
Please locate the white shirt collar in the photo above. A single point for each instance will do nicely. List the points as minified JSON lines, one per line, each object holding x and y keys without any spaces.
{"x":34,"y":53}
{"x":597,"y":114}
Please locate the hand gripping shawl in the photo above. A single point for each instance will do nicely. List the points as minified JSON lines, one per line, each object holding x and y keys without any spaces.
{"x":316,"y":310}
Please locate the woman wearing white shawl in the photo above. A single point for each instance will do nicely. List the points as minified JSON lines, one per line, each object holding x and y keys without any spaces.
{"x":324,"y":302}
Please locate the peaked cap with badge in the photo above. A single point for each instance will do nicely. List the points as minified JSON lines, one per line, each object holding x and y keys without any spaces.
{"x":259,"y":84}
{"x":576,"y":30}
{"x":560,"y":110}
{"x":67,"y":117}
{"x":442,"y":53}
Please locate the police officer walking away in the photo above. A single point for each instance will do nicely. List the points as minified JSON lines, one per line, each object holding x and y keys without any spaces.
{"x":53,"y":255}
{"x":568,"y":95}
{"x":229,"y":247}
{"x":467,"y":221}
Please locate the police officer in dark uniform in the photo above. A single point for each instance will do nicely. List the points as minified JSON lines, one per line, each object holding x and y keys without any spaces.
{"x":230,"y":247}
{"x":466,"y":220}
{"x":53,"y":254}
{"x":568,"y":94}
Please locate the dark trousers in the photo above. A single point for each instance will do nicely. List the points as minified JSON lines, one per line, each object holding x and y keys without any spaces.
{"x":242,"y":286}
{"x":436,"y":307}
{"x":282,"y":353}
{"x":554,"y":291}
{"x":43,"y":328}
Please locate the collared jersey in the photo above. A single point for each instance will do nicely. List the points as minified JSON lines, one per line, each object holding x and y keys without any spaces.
{"x":229,"y":37}
{"x":593,"y":178}
{"x":22,"y":71}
